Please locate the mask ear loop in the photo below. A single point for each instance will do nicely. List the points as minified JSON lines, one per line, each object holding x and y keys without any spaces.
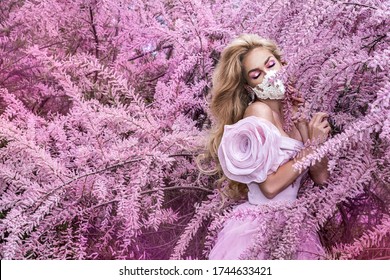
{"x":251,"y":94}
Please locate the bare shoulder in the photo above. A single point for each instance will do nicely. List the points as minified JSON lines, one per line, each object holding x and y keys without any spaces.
{"x":260,"y":109}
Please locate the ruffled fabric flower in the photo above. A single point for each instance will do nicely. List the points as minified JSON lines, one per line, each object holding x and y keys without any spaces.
{"x":250,"y":150}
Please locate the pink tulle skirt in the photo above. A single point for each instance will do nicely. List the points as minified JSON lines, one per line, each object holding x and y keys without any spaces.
{"x":236,"y":236}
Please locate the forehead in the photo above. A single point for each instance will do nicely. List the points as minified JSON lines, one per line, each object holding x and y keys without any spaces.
{"x":255,"y":58}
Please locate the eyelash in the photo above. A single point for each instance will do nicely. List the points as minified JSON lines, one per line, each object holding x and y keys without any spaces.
{"x":273,"y":64}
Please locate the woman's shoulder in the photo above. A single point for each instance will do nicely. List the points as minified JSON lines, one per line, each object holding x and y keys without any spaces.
{"x":261,"y":110}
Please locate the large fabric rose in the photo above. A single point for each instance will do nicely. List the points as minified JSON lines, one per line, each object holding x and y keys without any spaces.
{"x":249,"y":150}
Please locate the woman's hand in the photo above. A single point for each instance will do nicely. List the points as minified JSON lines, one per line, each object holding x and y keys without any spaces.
{"x":298,"y":103}
{"x":319,"y":128}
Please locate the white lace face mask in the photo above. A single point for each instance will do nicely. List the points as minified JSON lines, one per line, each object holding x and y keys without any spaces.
{"x":270,"y":88}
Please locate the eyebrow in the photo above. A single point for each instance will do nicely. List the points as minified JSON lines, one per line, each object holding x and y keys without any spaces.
{"x":266,"y":61}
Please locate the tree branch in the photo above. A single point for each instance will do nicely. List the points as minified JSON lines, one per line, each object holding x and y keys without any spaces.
{"x":149,"y":52}
{"x":94,"y":32}
{"x":83,"y":176}
{"x":361,"y":5}
{"x":151,"y":191}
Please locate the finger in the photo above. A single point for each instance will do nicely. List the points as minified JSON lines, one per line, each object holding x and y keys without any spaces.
{"x":298,"y":104}
{"x":291,"y":89}
{"x":294,"y":91}
{"x":300,"y":99}
{"x":324,"y":120}
{"x":324,"y":124}
{"x":291,"y":86}
{"x":314,"y":119}
{"x":325,"y":132}
{"x":319,"y":116}
{"x":311,"y":122}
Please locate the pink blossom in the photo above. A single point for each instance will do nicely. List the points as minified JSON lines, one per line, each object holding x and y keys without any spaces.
{"x":249,"y":149}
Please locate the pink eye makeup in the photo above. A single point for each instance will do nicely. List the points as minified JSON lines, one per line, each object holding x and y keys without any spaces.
{"x":271,"y":64}
{"x":255,"y":74}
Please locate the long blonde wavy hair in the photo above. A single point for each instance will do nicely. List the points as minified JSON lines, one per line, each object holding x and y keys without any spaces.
{"x":229,"y":99}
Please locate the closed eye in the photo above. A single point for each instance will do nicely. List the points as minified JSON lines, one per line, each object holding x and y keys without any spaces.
{"x":272,"y":64}
{"x":255,"y":75}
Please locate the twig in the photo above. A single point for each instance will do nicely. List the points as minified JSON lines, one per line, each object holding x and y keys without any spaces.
{"x":177,"y":188}
{"x":155,"y":78}
{"x":82,"y":176}
{"x":152,"y":51}
{"x":150,"y":191}
{"x":361,"y":5}
{"x":94,"y":32}
{"x":182,"y":155}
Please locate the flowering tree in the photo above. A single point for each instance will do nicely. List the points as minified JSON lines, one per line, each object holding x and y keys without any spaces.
{"x":104,"y":104}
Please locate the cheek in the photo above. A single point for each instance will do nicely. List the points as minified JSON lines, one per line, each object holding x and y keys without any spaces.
{"x":249,"y":80}
{"x":253,"y":84}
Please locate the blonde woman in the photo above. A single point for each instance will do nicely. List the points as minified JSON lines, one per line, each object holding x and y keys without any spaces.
{"x":249,"y":144}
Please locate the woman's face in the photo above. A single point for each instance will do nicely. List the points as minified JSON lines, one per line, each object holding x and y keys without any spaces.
{"x":256,"y":65}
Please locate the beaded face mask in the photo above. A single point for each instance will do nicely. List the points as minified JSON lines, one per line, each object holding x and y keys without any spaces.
{"x":270,"y":88}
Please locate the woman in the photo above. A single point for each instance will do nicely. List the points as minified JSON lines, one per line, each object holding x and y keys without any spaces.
{"x":249,"y":144}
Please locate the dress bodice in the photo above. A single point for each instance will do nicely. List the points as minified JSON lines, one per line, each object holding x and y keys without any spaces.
{"x":254,"y":148}
{"x":289,"y":147}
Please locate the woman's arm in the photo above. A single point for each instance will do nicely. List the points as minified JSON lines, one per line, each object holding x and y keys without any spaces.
{"x":285,"y":174}
{"x":319,"y":130}
{"x":319,"y":171}
{"x":279,"y":180}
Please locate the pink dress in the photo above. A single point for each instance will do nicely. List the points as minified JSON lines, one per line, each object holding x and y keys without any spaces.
{"x":250,"y":150}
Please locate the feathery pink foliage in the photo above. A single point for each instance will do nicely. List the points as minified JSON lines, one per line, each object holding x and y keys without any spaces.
{"x":103,"y":106}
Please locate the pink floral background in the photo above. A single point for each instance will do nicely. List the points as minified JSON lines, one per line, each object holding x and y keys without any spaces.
{"x":103,"y":108}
